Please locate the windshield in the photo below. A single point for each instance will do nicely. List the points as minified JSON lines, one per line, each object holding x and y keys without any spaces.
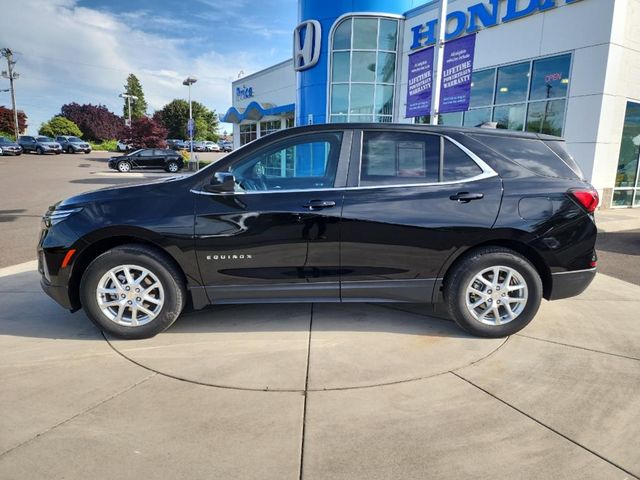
{"x":5,"y":140}
{"x":74,"y":139}
{"x":44,"y":139}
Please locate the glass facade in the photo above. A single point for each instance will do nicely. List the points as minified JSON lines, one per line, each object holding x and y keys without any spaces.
{"x":248,"y":133}
{"x":269,"y":127}
{"x":527,"y":96}
{"x":627,"y":187}
{"x":363,"y":69}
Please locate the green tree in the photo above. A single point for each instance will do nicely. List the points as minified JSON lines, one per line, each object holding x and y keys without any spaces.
{"x":59,"y":126}
{"x":139,"y":106}
{"x":175,"y":115}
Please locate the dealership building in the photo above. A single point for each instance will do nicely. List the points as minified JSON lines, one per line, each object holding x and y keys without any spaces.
{"x":563,"y":67}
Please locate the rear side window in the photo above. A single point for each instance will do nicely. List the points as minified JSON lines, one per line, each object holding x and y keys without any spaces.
{"x":531,"y":154}
{"x":457,"y":165}
{"x":401,"y":158}
{"x":560,"y":149}
{"x":395,"y":158}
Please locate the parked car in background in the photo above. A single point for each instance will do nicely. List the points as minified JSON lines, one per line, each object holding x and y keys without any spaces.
{"x":226,"y":146}
{"x":40,"y":145}
{"x":209,"y":146}
{"x":123,"y":147}
{"x":174,"y":143}
{"x":485,"y":222}
{"x":9,"y":147}
{"x":71,"y":144}
{"x":148,"y":158}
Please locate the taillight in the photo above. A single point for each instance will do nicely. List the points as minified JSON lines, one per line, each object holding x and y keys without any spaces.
{"x":589,"y":199}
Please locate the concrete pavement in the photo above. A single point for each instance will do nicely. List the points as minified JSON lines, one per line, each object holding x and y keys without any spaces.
{"x":320,"y":391}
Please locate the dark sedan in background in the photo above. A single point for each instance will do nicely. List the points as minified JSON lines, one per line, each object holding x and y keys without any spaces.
{"x":148,"y":158}
{"x":9,"y":147}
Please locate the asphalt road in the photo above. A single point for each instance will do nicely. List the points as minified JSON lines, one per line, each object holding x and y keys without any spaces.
{"x":30,"y":183}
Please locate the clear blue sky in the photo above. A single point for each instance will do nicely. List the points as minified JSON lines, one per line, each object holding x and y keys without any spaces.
{"x":83,"y":50}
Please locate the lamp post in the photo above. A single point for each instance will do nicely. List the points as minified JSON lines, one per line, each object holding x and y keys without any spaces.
{"x":129,"y":98}
{"x":439,"y":59}
{"x":11,"y":75}
{"x":188,"y":82}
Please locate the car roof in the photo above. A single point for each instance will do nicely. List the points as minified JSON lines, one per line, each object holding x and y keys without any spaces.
{"x":420,"y":127}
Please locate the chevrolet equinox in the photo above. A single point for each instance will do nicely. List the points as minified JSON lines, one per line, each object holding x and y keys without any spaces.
{"x":487,"y":222}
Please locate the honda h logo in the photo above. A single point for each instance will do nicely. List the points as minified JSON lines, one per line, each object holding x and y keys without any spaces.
{"x":306,"y":45}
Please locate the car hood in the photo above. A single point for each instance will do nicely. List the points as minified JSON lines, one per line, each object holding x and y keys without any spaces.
{"x":50,"y":144}
{"x":120,"y":192}
{"x":5,"y":145}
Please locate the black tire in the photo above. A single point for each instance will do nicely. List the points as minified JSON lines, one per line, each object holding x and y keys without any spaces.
{"x":466,"y":269}
{"x":156,"y":262}
{"x":124,"y":166}
{"x":172,"y":167}
{"x":70,"y":150}
{"x":40,"y":151}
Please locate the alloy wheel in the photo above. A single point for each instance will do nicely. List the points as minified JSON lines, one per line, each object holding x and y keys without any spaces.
{"x":130,"y":295}
{"x":497,"y":295}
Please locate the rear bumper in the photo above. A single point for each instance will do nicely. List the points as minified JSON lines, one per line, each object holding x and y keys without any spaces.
{"x":570,"y":284}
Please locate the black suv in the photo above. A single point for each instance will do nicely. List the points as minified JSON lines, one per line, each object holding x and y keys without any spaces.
{"x":168,"y":160}
{"x":488,"y":222}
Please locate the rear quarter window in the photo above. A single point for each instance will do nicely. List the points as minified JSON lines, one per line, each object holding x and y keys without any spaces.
{"x":531,"y":154}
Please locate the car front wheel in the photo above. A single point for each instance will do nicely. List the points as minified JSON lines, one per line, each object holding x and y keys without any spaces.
{"x":172,"y":167}
{"x":132,"y":291}
{"x":124,"y":166}
{"x":70,"y":150}
{"x":493,"y":292}
{"x":40,"y":151}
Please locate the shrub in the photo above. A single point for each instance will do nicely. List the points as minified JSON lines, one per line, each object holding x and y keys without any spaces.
{"x":108,"y":145}
{"x":59,"y":126}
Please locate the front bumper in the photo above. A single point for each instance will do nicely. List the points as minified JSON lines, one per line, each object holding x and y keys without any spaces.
{"x":570,"y":284}
{"x":60,"y":293}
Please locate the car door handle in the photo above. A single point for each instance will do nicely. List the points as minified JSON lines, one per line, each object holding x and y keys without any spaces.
{"x":319,"y":204}
{"x":466,"y":197}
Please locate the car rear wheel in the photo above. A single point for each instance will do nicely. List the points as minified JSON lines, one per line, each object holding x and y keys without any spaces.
{"x":124,"y":166}
{"x":132,"y":291}
{"x":493,"y":292}
{"x":172,"y":167}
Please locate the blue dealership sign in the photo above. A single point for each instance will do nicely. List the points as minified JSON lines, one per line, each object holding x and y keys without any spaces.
{"x":420,"y":83}
{"x":457,"y":66}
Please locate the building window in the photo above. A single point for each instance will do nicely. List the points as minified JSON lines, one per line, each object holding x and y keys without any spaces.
{"x":363,"y":69}
{"x":627,"y":187}
{"x":269,"y":127}
{"x":247,"y":133}
{"x":527,"y":96}
{"x":290,"y":122}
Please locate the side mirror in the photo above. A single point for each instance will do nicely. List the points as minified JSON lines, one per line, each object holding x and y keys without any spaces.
{"x":222,"y":182}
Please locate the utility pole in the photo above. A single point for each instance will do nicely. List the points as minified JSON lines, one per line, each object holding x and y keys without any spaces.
{"x":187,"y":83}
{"x":11,"y":75}
{"x":129,"y":98}
{"x":439,"y":59}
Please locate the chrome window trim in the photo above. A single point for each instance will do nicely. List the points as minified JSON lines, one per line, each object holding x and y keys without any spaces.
{"x":487,"y":172}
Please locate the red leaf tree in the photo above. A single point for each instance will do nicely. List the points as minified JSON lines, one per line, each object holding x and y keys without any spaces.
{"x":146,"y":133}
{"x":7,"y":123}
{"x":96,"y":121}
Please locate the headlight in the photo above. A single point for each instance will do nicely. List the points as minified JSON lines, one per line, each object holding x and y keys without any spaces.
{"x":59,"y":215}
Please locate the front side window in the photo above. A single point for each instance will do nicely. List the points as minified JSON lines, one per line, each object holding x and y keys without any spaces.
{"x":305,"y":162}
{"x":363,"y":69}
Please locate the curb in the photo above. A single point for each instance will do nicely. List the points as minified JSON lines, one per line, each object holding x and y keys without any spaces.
{"x":20,"y":268}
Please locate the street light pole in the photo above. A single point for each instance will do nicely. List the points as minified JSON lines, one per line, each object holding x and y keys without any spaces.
{"x":129,"y":98}
{"x":11,"y":76}
{"x":188,"y":82}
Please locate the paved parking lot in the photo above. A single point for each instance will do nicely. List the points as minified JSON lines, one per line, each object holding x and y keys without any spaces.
{"x":308,"y":391}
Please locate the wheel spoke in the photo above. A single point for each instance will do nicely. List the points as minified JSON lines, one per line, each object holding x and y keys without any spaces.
{"x":120,"y":313}
{"x":478,"y":303}
{"x":149,"y":298}
{"x":127,"y":275}
{"x":496,"y":315}
{"x":510,"y":313}
{"x":484,"y":280}
{"x":516,"y":299}
{"x":134,"y":316}
{"x":143,"y":275}
{"x":513,"y":288}
{"x":150,"y":288}
{"x":507,"y":281}
{"x":107,"y":291}
{"x":113,"y":303}
{"x":146,"y":311}
{"x":115,"y":279}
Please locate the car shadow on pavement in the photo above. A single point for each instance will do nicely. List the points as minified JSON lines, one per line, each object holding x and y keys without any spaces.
{"x":26,"y":311}
{"x":10,"y":215}
{"x":625,"y":242}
